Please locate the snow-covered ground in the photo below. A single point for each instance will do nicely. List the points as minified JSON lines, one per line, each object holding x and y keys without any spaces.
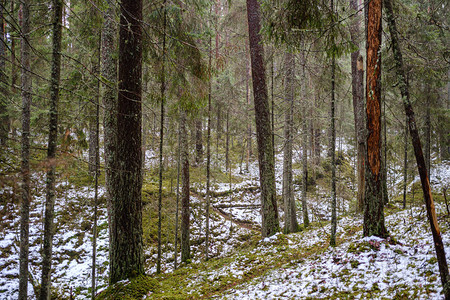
{"x":72,"y":243}
{"x":283,"y":266}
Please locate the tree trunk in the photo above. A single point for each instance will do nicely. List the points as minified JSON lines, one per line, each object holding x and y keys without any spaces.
{"x":161,"y":140}
{"x":13,"y":51}
{"x":305,"y":150}
{"x":96,"y":174}
{"x":208,"y":152}
{"x":127,"y":259}
{"x":384,"y":166}
{"x":198,"y":140}
{"x":25,"y":168}
{"x":405,"y":165}
{"x":333,"y":155}
{"x":92,"y":135}
{"x":269,"y":208}
{"x":291,"y":224}
{"x":49,"y":227}
{"x":4,"y":128}
{"x":227,"y":140}
{"x":178,"y":196}
{"x":249,"y":121}
{"x":185,"y":209}
{"x":373,"y":198}
{"x":358,"y":104}
{"x":108,"y":71}
{"x":428,"y":131}
{"x":431,"y":213}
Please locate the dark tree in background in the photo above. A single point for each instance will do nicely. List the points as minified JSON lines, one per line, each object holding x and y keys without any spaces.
{"x":185,"y":209}
{"x":49,"y":227}
{"x":373,"y":200}
{"x":127,"y":258}
{"x":25,"y":168}
{"x":270,"y":224}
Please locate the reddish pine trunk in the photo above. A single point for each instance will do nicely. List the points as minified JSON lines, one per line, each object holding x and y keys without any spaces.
{"x":373,"y":200}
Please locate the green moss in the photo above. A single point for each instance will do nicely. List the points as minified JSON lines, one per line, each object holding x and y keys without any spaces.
{"x":137,"y":288}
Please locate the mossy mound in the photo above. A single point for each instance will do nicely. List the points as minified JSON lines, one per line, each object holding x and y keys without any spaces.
{"x":137,"y":288}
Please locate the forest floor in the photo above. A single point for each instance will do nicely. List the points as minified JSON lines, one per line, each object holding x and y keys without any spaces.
{"x":242,"y":265}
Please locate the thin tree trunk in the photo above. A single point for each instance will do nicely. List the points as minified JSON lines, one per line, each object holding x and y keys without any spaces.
{"x":373,"y":200}
{"x":358,"y":104}
{"x":96,"y":174}
{"x":25,"y":168}
{"x":178,"y":196}
{"x":13,"y":52}
{"x":291,"y":224}
{"x":208,"y":151}
{"x":270,"y":224}
{"x":127,"y":259}
{"x":333,"y":155}
{"x":428,"y":132}
{"x":199,"y":141}
{"x":49,"y":227}
{"x":161,"y":140}
{"x":431,"y":213}
{"x":185,"y":209}
{"x":272,"y":111}
{"x":405,"y":165}
{"x":227,"y":140}
{"x":4,"y":128}
{"x":305,"y":151}
{"x":249,"y":121}
{"x":384,"y":157}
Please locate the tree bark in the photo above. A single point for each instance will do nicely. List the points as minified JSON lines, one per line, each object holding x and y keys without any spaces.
{"x":405,"y":164}
{"x":13,"y":51}
{"x":373,"y":198}
{"x":161,"y":139}
{"x":333,"y":156}
{"x":178,"y":196}
{"x":198,"y":141}
{"x":358,"y":104}
{"x":305,"y":149}
{"x":185,"y":209}
{"x":49,"y":227}
{"x":108,"y":69}
{"x":4,"y":120}
{"x":291,"y":224}
{"x":270,"y":224}
{"x":208,"y":151}
{"x":127,"y":258}
{"x":428,"y":130}
{"x":25,"y":167}
{"x":249,"y":121}
{"x":384,"y":166}
{"x":431,"y":213}
{"x":96,"y":175}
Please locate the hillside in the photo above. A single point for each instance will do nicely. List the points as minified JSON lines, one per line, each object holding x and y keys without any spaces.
{"x":243,"y":266}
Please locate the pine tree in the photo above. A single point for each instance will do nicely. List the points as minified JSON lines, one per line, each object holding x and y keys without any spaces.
{"x":25,"y":168}
{"x":373,"y":200}
{"x":127,"y":259}
{"x":49,"y":227}
{"x":270,"y":224}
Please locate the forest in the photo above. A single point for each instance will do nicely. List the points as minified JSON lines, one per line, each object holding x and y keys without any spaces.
{"x":224,"y":149}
